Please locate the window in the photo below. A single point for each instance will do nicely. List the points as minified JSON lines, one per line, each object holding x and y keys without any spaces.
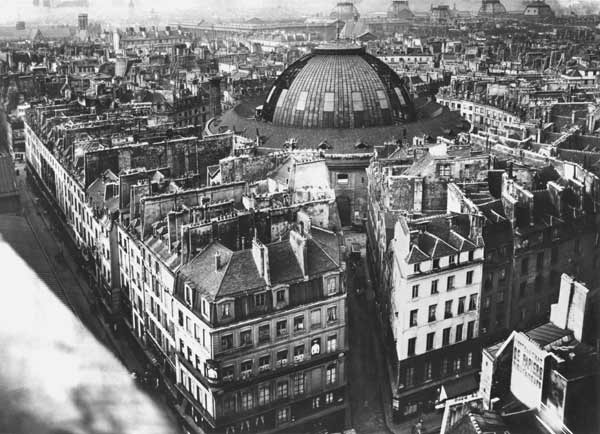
{"x":383,"y":102}
{"x":315,"y":318}
{"x":259,"y":299}
{"x":342,"y":178}
{"x":524,"y":265}
{"x":331,"y":376}
{"x":229,"y":404}
{"x":280,"y":296}
{"x":264,"y":363}
{"x":281,"y":328}
{"x":459,"y":332}
{"x":328,"y":104}
{"x":316,"y":402}
{"x":444,"y":366}
{"x":487,"y":303}
{"x":452,"y":260}
{"x":410,"y":376}
{"x":246,"y":368}
{"x":413,"y":317}
{"x":357,"y":102}
{"x":331,"y":343}
{"x":443,"y":169}
{"x":264,"y":333}
{"x":432,"y":309}
{"x":329,"y":398}
{"x":299,"y":323}
{"x":430,"y":339}
{"x":469,"y":277}
{"x":448,"y":309}
{"x":331,"y":286}
{"x":180,"y":318}
{"x":283,"y":415}
{"x":299,"y":384}
{"x":282,"y":389}
{"x":446,"y":337}
{"x":456,"y":364}
{"x":204,"y":308}
{"x":450,"y":282}
{"x":473,"y":302}
{"x":415,"y":291}
{"x":264,"y":395}
{"x":434,"y":286}
{"x":461,"y":305}
{"x":302,"y":101}
{"x":427,"y":370}
{"x":469,"y":359}
{"x":332,"y":314}
{"x":471,"y":255}
{"x":247,"y":401}
{"x":417,"y":268}
{"x":299,"y":353}
{"x":225,"y":310}
{"x":412,"y":342}
{"x":470,"y":329}
{"x":226,"y":342}
{"x":436,"y":264}
{"x":282,"y":357}
{"x":246,"y":338}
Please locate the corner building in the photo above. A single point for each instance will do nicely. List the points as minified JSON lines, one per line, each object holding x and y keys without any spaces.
{"x":261,"y":336}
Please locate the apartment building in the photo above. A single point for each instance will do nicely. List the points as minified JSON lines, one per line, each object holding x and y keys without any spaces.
{"x":437,"y":271}
{"x":261,"y":335}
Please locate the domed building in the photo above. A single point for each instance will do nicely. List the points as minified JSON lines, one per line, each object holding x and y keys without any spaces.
{"x":538,"y":10}
{"x":338,"y":86}
{"x":345,"y":103}
{"x":345,"y":11}
{"x":491,"y":8}
{"x":399,"y":9}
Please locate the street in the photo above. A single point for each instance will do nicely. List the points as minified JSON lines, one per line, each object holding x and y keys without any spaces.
{"x":69,"y":282}
{"x":366,"y":374}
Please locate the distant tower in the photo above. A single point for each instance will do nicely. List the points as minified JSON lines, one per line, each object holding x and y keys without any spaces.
{"x":491,"y":8}
{"x":83,"y":22}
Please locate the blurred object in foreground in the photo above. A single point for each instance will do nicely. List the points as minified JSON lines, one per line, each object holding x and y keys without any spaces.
{"x":55,"y":377}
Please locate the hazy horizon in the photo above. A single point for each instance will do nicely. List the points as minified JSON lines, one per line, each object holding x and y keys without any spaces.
{"x":117,"y":11}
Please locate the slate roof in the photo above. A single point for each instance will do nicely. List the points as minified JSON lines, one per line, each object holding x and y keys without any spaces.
{"x":461,"y":386}
{"x":437,"y":238}
{"x":8,"y":183}
{"x":238,"y":272}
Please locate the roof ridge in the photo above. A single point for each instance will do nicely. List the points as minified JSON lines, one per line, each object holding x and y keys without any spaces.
{"x":336,"y":262}
{"x":225,"y":272}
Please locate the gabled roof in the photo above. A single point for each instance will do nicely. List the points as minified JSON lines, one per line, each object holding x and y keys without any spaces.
{"x":416,"y":255}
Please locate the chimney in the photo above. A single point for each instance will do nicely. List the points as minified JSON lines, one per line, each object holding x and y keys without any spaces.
{"x":299,"y":247}
{"x":217,"y":261}
{"x":260,"y":253}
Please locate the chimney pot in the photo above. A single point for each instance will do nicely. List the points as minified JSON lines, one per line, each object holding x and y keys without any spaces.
{"x":217,"y":261}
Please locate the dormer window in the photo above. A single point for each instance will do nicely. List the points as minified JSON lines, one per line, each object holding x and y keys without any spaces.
{"x":280,"y":296}
{"x":452,"y":260}
{"x":471,"y":255}
{"x":204,"y":307}
{"x":226,"y":310}
{"x":417,"y":268}
{"x":331,"y":286}
{"x":188,"y":295}
{"x":436,"y":264}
